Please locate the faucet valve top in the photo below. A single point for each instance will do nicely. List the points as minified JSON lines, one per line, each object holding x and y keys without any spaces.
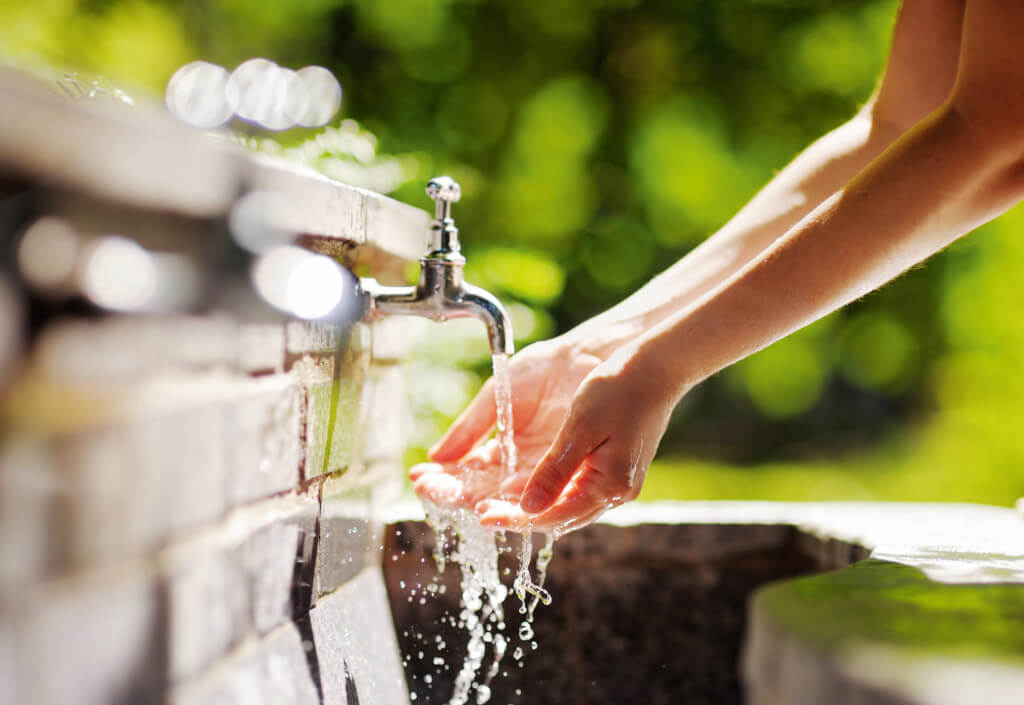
{"x":441,"y":293}
{"x":445,"y":191}
{"x":444,"y":236}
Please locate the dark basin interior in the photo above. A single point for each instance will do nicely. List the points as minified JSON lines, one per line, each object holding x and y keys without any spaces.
{"x":650,"y":613}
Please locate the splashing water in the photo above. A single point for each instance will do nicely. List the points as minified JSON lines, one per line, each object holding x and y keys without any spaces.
{"x":461,"y":540}
{"x":467,"y":544}
{"x":507,"y":443}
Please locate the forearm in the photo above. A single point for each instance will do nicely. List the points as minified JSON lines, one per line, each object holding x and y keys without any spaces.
{"x":937,"y":182}
{"x":813,"y":176}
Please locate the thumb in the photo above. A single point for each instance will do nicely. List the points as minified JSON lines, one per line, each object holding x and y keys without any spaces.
{"x":473,"y":423}
{"x":556,"y":468}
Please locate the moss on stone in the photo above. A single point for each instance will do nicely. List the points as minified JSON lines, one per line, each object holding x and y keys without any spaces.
{"x":895,"y":605}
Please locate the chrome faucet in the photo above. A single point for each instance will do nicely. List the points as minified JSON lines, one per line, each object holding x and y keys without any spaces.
{"x":441,"y":293}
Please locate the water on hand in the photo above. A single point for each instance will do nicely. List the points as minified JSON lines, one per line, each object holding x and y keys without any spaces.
{"x":462,"y":540}
{"x":507,"y":444}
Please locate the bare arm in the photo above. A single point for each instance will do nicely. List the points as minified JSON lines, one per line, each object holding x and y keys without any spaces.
{"x":959,"y":167}
{"x":918,"y":78}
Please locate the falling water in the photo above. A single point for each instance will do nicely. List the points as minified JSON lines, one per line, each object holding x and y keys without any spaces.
{"x":462,"y":540}
{"x":503,"y":407}
{"x":506,"y":441}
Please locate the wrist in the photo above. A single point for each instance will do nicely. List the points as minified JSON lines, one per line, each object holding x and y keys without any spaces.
{"x":665,"y":373}
{"x":601,"y":339}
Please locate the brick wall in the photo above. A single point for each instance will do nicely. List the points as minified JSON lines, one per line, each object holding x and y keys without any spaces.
{"x":188,"y":514}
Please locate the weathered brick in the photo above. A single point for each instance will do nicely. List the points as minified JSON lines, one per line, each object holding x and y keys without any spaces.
{"x":158,"y":468}
{"x":30,"y":542}
{"x":93,"y":640}
{"x":199,"y":342}
{"x":109,"y":493}
{"x":114,"y":349}
{"x":345,"y":533}
{"x":395,"y":336}
{"x":386,"y":423}
{"x":208,"y":602}
{"x":260,"y":347}
{"x":315,"y":204}
{"x":302,"y":337}
{"x":395,"y":228}
{"x":355,"y":644}
{"x":276,"y":556}
{"x":264,"y":427}
{"x":9,"y":666}
{"x":183,"y":455}
{"x":272,"y":671}
{"x":332,"y":423}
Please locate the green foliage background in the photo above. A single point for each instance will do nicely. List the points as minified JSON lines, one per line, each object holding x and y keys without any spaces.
{"x":599,"y":140}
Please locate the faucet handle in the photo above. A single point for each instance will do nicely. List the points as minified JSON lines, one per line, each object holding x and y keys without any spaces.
{"x":445,"y":191}
{"x":444,"y":236}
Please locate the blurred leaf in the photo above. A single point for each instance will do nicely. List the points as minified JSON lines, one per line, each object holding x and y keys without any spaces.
{"x":878,"y":352}
{"x":530,"y":276}
{"x":786,"y":378}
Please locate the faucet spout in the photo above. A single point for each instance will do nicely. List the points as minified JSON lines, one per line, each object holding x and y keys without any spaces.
{"x":485,"y":306}
{"x":441,"y":293}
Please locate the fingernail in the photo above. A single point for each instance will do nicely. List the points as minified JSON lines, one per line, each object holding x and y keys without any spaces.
{"x":533,"y":501}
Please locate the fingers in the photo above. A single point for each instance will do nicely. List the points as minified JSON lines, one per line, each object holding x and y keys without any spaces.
{"x":556,"y":468}
{"x":442,"y":489}
{"x":420,"y":469}
{"x":461,"y":484}
{"x":573,"y":510}
{"x":473,"y":423}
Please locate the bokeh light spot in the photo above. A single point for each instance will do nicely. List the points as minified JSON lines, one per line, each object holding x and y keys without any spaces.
{"x":196,"y":94}
{"x":785,"y":379}
{"x":119,"y":274}
{"x":877,"y":352}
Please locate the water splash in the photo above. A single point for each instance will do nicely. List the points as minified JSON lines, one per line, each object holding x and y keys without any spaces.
{"x":467,"y":544}
{"x":461,"y":540}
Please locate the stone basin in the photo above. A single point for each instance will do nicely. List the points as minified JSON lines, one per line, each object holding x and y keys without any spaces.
{"x":761,"y":603}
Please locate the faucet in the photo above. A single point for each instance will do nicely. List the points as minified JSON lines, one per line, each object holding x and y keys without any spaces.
{"x":441,"y":293}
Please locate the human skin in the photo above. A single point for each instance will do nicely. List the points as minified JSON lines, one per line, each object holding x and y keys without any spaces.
{"x":799,"y":250}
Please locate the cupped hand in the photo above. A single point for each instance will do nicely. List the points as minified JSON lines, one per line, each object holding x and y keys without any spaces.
{"x":545,"y":377}
{"x":600,"y":455}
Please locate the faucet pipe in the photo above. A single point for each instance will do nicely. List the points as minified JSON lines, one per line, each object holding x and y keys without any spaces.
{"x":441,"y":294}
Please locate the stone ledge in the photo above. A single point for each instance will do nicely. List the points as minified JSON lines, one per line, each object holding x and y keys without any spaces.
{"x":237,"y":580}
{"x":883,"y":632}
{"x":90,"y":639}
{"x":271,"y":671}
{"x":174,"y":455}
{"x":355,"y":645}
{"x":153,"y":162}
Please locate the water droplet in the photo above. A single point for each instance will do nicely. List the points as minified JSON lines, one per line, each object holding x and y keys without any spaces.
{"x":525,"y":631}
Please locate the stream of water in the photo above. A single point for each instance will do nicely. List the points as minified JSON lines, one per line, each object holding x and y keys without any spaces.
{"x":461,"y":540}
